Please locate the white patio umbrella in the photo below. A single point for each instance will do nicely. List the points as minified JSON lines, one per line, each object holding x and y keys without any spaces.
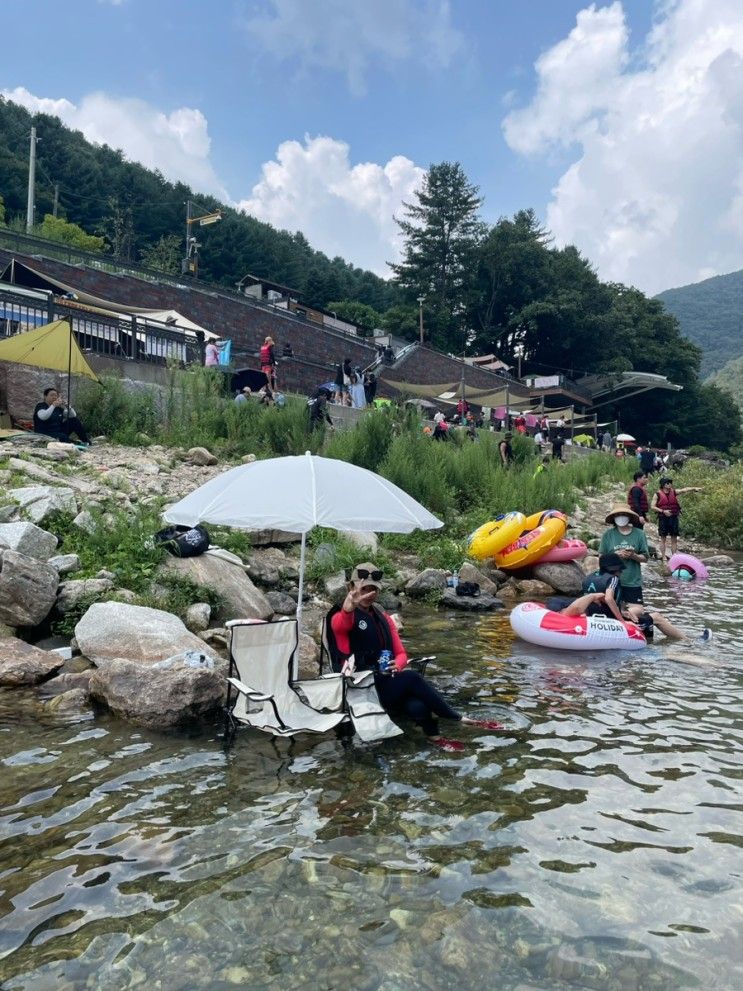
{"x":625,"y":438}
{"x":299,"y":493}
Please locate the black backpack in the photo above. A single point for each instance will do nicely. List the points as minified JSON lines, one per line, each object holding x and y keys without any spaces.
{"x":184,"y":541}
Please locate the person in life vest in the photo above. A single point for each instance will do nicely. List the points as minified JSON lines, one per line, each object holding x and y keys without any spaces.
{"x":268,"y":361}
{"x":666,"y":504}
{"x":362,"y":629}
{"x":637,"y":497}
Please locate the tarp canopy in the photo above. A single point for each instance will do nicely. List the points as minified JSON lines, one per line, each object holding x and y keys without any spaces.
{"x":51,"y":346}
{"x":19,"y":273}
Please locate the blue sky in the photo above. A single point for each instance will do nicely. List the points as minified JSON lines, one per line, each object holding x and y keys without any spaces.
{"x":320,"y":115}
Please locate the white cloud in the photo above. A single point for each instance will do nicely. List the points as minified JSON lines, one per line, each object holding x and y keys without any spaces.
{"x":312,"y":187}
{"x":342,"y":209}
{"x":177,"y":144}
{"x":655,"y":195}
{"x":349,"y":36}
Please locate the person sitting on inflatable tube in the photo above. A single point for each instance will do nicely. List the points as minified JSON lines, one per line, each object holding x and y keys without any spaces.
{"x":362,"y":628}
{"x":603,"y":596}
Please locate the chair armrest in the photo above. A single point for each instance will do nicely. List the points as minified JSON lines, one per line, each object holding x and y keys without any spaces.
{"x":250,"y":692}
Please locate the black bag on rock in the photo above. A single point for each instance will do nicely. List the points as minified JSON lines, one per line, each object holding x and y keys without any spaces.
{"x":468,"y":588}
{"x":184,"y":541}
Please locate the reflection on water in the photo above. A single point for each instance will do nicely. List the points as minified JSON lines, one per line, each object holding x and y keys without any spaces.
{"x":600,"y":849}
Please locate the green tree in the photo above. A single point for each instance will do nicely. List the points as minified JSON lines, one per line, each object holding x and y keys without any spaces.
{"x":365,"y":317}
{"x":165,"y":254}
{"x":57,"y":229}
{"x":402,"y":321}
{"x":442,"y":233}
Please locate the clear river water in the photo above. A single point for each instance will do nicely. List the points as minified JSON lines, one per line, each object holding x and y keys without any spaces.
{"x":599,"y":848}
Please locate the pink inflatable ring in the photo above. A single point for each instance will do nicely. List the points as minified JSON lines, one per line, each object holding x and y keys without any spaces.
{"x":690,"y":563}
{"x":566,"y":550}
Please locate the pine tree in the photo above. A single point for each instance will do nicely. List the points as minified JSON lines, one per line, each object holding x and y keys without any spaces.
{"x":442,"y":233}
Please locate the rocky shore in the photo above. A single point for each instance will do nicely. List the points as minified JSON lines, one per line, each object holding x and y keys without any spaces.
{"x":148,"y":665}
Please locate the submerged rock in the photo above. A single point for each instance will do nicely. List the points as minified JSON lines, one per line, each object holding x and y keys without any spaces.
{"x":27,"y":589}
{"x":160,"y":698}
{"x":23,"y":664}
{"x":72,"y":706}
{"x":718,"y":561}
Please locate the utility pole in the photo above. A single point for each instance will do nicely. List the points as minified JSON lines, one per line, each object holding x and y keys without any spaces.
{"x":421,"y":300}
{"x":56,"y":199}
{"x":31,"y":183}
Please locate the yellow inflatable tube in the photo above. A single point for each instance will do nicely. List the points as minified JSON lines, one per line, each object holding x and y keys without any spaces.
{"x":530,"y":546}
{"x":493,"y":536}
{"x":537,"y":519}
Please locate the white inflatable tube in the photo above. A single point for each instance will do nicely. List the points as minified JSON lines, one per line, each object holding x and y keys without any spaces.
{"x":534,"y":623}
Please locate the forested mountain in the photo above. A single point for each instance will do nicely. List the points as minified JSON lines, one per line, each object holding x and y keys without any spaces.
{"x":730,"y":379}
{"x":710,"y":313}
{"x":142,"y":215}
{"x":502,"y":288}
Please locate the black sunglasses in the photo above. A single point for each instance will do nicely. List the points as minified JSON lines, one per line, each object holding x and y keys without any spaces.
{"x":374,"y":575}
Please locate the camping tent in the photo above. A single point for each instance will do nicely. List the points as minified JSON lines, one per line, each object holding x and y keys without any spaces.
{"x":52,"y":345}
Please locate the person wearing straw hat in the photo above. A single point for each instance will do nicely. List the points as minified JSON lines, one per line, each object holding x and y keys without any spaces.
{"x":628,"y":541}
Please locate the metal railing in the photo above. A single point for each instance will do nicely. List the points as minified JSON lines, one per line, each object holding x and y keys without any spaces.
{"x":129,"y":338}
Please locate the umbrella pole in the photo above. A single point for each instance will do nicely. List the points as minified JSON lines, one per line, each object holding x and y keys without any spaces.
{"x":299,"y":597}
{"x":69,"y":366}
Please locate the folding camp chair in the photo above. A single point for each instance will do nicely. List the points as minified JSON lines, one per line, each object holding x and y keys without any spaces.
{"x":263,"y":692}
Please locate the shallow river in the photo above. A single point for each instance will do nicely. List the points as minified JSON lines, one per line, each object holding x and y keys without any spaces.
{"x":599,"y":849}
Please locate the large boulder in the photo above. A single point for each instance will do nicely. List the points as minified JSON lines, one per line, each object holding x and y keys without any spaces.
{"x":29,"y":539}
{"x":23,"y":664}
{"x":469,"y":573}
{"x":281,"y":603}
{"x":160,"y":697}
{"x":40,"y":500}
{"x":114,"y":630}
{"x":565,"y":578}
{"x":27,"y":589}
{"x":242,"y":600}
{"x":74,"y":591}
{"x":365,"y":540}
{"x":533,"y":588}
{"x":200,"y":456}
{"x":428,"y":580}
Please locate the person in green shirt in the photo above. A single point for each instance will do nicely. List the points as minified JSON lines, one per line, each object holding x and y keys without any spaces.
{"x":630,"y":543}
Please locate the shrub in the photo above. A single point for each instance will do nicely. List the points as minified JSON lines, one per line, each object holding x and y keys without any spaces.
{"x":712,"y":515}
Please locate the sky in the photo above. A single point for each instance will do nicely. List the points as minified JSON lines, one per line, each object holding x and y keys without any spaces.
{"x":619,"y":122}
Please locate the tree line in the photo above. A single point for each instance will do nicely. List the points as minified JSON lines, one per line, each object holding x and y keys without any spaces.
{"x":502,"y":288}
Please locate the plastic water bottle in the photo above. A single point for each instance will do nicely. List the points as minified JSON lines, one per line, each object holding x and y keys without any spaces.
{"x":385,"y":661}
{"x":455,"y":579}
